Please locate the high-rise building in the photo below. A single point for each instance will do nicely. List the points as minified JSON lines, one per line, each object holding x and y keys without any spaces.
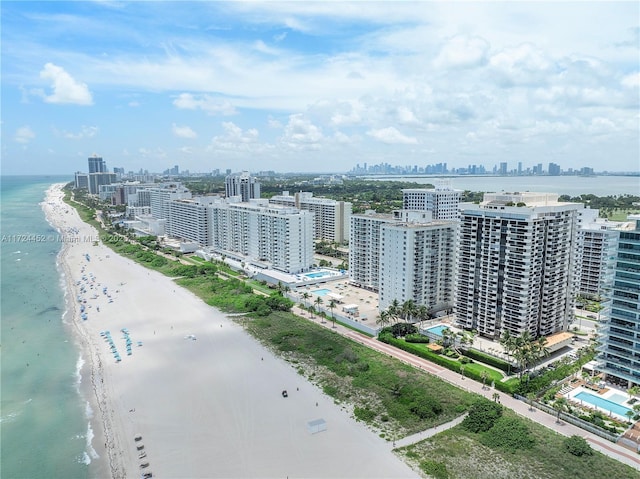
{"x":620,"y":341}
{"x":161,"y":194}
{"x":554,"y":169}
{"x":443,"y":201}
{"x":332,"y":218}
{"x":243,"y":185}
{"x":514,"y":266}
{"x":98,"y":179}
{"x":364,"y":248}
{"x":97,"y":164}
{"x":417,"y":264}
{"x":190,"y":219}
{"x":81,"y":180}
{"x":595,"y":254}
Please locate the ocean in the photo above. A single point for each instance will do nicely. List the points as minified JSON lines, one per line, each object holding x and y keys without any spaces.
{"x":45,"y":431}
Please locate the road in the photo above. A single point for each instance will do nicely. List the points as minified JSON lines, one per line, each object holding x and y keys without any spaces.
{"x":610,"y":449}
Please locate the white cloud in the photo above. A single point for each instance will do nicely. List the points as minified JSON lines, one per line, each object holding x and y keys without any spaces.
{"x":392,"y":135}
{"x":462,"y":51}
{"x":183,"y":131}
{"x":521,"y":65}
{"x":207,"y":103}
{"x":301,"y":133}
{"x":24,"y":134}
{"x":65,"y":88}
{"x":236,"y":139}
{"x":273,"y":123}
{"x":632,"y":80}
{"x":85,"y":132}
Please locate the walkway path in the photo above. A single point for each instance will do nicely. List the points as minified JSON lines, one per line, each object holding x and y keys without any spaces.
{"x":419,"y":436}
{"x":610,"y":449}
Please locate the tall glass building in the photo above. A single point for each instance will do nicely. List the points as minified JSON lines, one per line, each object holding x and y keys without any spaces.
{"x":620,"y":340}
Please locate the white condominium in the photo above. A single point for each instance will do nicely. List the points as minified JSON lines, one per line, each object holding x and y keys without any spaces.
{"x":332,"y":217}
{"x":595,"y":256}
{"x":417,"y":264}
{"x":442,"y":201}
{"x":271,"y":236}
{"x":243,"y":185}
{"x":515,"y":264}
{"x":161,"y":194}
{"x":190,"y":219}
{"x":364,"y":248}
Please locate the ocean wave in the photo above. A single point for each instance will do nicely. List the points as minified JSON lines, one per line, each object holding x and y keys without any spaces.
{"x":12,"y":415}
{"x":78,"y":373}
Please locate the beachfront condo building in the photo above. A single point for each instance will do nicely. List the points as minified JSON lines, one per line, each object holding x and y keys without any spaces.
{"x":595,"y":255}
{"x":515,"y":264}
{"x":263,"y":235}
{"x":417,"y":264}
{"x":443,"y":201}
{"x":243,"y":185}
{"x":98,"y":179}
{"x":161,"y":194}
{"x":190,"y":220}
{"x":81,"y":181}
{"x":332,"y":218}
{"x":97,"y":164}
{"x":619,"y":351}
{"x":364,"y":248}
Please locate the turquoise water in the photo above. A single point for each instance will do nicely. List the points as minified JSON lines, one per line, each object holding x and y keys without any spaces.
{"x":321,"y":292}
{"x":437,"y":329}
{"x":318,"y":274}
{"x":44,"y":425}
{"x":602,"y":403}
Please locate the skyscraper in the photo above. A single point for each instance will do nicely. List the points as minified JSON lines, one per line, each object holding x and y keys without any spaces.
{"x":443,"y":201}
{"x":620,"y":348}
{"x":97,"y":164}
{"x":243,"y":185}
{"x":515,"y":264}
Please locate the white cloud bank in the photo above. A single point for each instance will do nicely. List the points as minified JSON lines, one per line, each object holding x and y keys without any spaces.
{"x":65,"y":88}
{"x":24,"y":135}
{"x":183,"y":132}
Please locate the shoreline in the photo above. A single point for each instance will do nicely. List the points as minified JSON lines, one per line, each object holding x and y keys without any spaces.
{"x":204,"y":395}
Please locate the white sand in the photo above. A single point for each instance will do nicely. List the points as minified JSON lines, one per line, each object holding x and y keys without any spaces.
{"x":210,"y":407}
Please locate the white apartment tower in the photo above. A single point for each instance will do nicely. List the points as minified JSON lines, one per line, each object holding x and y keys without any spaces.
{"x":190,"y":219}
{"x":514,"y":266}
{"x":417,"y":263}
{"x":595,"y":257}
{"x":364,"y":248}
{"x":443,"y":201}
{"x":161,"y":194}
{"x":243,"y":185}
{"x":264,"y":235}
{"x":332,"y":218}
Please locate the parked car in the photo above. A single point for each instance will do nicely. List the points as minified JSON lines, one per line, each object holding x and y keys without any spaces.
{"x":285,"y":393}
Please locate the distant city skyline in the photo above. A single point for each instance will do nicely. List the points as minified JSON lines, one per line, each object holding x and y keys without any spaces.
{"x":319,"y":87}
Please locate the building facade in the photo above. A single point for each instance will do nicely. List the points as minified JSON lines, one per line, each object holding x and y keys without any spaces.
{"x":97,"y":164}
{"x":243,"y":185}
{"x":160,"y":195}
{"x":417,"y":264}
{"x":619,"y":351}
{"x":364,"y":248}
{"x":332,"y":218}
{"x":189,"y":220}
{"x":514,"y":264}
{"x":443,"y":201}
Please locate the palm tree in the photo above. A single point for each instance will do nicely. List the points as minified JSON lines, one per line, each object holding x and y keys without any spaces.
{"x":408,"y":310}
{"x":305,"y":297}
{"x":559,"y":405}
{"x":484,"y":379}
{"x":394,"y":310}
{"x":422,"y":313}
{"x":508,"y":342}
{"x":383,"y":318}
{"x":318,"y":302}
{"x":531,"y":397}
{"x":332,"y":304}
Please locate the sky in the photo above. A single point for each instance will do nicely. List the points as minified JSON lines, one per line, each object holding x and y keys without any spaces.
{"x":318,"y":87}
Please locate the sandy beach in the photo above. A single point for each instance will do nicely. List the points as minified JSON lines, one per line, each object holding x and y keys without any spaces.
{"x":202,"y":394}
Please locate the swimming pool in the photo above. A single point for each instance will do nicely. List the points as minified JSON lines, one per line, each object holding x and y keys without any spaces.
{"x":321,"y":292}
{"x":619,"y":398}
{"x":437,"y":329}
{"x":602,"y":403}
{"x":318,"y":274}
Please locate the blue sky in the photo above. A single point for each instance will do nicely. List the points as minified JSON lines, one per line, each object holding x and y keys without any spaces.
{"x":319,"y":87}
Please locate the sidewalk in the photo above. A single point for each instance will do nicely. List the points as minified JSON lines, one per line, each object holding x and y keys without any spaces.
{"x":521,"y":408}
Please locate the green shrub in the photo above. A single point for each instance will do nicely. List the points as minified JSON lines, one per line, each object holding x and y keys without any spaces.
{"x":364,"y":414}
{"x":509,"y":434}
{"x":465,"y":360}
{"x":578,"y":446}
{"x":437,"y":470}
{"x":483,"y":414}
{"x":416,"y":338}
{"x":487,"y":359}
